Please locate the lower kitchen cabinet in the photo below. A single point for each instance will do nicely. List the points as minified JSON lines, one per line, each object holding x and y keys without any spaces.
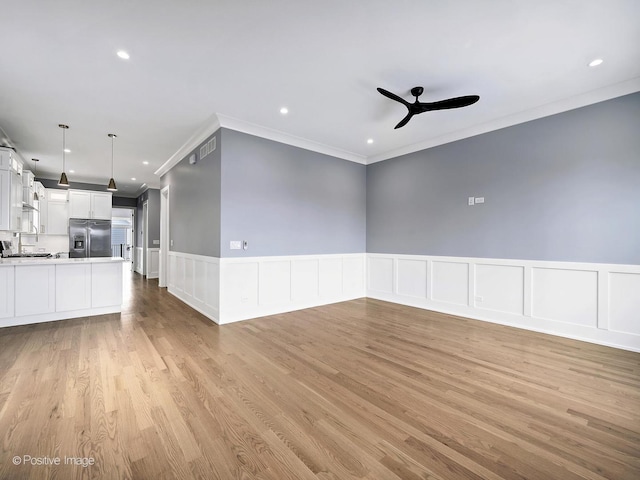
{"x":106,"y":284}
{"x":56,"y":289}
{"x":73,"y":287}
{"x":6,"y":292}
{"x":35,"y":289}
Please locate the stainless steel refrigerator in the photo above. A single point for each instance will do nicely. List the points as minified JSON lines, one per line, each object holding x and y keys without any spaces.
{"x":89,"y":238}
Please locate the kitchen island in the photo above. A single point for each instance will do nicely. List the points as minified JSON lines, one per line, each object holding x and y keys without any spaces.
{"x":34,"y":290}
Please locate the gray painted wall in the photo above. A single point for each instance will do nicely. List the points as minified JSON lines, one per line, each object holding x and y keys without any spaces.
{"x":563,"y":188}
{"x":286,"y":200}
{"x":194,"y":205}
{"x":152,"y":195}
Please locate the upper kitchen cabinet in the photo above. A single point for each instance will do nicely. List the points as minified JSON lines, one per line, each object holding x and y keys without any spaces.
{"x":85,"y":204}
{"x":54,"y":212}
{"x":10,"y":191}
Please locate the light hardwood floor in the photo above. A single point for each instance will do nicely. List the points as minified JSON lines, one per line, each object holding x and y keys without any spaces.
{"x":357,"y":390}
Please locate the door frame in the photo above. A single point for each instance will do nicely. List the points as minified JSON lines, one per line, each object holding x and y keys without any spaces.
{"x":164,"y":237}
{"x":145,"y":235}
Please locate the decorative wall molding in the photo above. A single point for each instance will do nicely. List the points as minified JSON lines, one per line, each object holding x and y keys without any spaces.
{"x":232,"y":289}
{"x":259,"y":286}
{"x":153,"y":262}
{"x":195,"y":279}
{"x":138,"y":255}
{"x":597,"y":303}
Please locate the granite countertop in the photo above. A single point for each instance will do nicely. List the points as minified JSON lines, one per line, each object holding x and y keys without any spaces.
{"x":53,"y":260}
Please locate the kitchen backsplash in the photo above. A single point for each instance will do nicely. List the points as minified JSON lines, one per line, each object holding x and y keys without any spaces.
{"x":45,"y":243}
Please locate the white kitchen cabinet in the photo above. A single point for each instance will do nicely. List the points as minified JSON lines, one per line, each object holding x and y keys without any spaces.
{"x":54,"y":212}
{"x":35,"y":289}
{"x":106,"y":284}
{"x":85,"y":204}
{"x":10,"y":191}
{"x":6,"y":291}
{"x":5,"y":199}
{"x":73,"y":287}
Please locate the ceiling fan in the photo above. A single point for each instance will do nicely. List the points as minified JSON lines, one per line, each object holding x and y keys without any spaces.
{"x":420,"y":107}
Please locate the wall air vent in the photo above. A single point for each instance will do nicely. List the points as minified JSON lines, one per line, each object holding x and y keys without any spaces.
{"x":208,"y":147}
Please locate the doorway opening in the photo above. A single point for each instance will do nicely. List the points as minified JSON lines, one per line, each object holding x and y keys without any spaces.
{"x":122,"y":223}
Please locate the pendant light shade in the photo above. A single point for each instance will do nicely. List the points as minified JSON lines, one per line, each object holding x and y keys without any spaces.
{"x":112,"y":183}
{"x":63,"y":182}
{"x":35,"y":175}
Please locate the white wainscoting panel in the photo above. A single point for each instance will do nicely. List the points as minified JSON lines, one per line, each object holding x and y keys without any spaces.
{"x":450,"y":282}
{"x":565,"y":295}
{"x":259,"y":286}
{"x":195,"y":279}
{"x":599,"y":303}
{"x":305,"y":280}
{"x":274,"y":280}
{"x":624,"y":302}
{"x":153,"y":262}
{"x":381,"y":277}
{"x":412,"y":278}
{"x":138,"y":255}
{"x":499,"y":288}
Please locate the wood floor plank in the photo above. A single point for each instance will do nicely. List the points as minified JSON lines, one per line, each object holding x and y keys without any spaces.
{"x":356,"y":390}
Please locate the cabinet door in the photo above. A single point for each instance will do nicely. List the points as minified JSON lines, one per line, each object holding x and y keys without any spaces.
{"x":106,"y":284}
{"x":5,"y":159}
{"x":35,"y":289}
{"x":5,"y":200}
{"x":6,"y":292}
{"x":57,"y":218}
{"x":101,"y":206}
{"x":55,"y":212}
{"x":79,"y":204}
{"x":73,"y":287}
{"x":15,"y":222}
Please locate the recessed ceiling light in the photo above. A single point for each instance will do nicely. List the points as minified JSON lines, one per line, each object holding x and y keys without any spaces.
{"x":370,"y":141}
{"x":66,"y":150}
{"x":133,"y":178}
{"x":596,"y":62}
{"x":284,"y":110}
{"x":145,"y":163}
{"x":122,"y":54}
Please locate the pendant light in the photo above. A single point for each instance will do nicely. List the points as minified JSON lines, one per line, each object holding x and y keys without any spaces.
{"x":35,"y":174}
{"x":112,"y":183}
{"x":63,"y":182}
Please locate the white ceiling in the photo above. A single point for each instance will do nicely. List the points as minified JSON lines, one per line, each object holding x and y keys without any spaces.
{"x":243,"y":60}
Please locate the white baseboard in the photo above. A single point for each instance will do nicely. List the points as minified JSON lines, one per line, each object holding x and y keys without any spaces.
{"x":597,"y":303}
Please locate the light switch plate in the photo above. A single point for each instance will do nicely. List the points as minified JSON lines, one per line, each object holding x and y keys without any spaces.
{"x":471,"y":200}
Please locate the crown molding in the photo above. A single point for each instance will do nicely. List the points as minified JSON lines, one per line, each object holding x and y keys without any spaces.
{"x":553,"y":108}
{"x":288,"y":139}
{"x":210,"y":126}
{"x":216,"y":121}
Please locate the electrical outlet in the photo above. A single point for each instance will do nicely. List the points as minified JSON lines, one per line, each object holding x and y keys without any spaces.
{"x":479,"y":200}
{"x":235,"y":244}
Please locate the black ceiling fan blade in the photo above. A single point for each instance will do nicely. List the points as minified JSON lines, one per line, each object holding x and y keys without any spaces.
{"x":393,"y":96}
{"x":456,"y":102}
{"x":404,"y":121}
